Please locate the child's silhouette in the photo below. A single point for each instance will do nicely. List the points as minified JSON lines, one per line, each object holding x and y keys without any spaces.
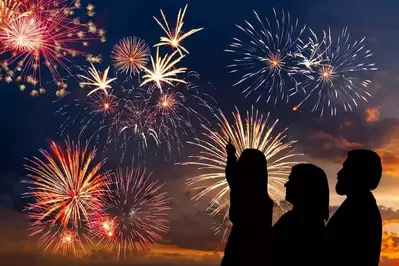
{"x":251,"y":208}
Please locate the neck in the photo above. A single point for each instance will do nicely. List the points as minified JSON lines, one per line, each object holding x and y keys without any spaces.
{"x":357,"y":194}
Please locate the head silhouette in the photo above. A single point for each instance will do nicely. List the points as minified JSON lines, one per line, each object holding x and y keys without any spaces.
{"x":361,"y":172}
{"x":252,"y":167}
{"x":307,"y":190}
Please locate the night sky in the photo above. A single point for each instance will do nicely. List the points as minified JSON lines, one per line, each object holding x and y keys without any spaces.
{"x":27,"y":123}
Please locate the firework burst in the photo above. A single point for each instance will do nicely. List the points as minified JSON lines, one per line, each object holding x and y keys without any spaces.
{"x":163,"y":70}
{"x":42,"y":33}
{"x":130,"y":55}
{"x":138,"y":119}
{"x":332,"y":72}
{"x":176,"y":36}
{"x":100,"y":81}
{"x":254,"y":132}
{"x":136,"y":213}
{"x":265,"y":57}
{"x":67,"y":190}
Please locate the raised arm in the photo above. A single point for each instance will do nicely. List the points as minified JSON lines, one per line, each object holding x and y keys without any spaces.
{"x":231,"y":165}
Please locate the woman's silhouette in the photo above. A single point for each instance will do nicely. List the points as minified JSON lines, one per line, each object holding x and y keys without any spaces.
{"x":298,"y":237}
{"x":251,"y":208}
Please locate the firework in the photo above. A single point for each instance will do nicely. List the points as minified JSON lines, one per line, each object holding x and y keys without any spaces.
{"x":67,"y":190}
{"x":105,"y":104}
{"x":95,"y":79}
{"x":254,"y":132}
{"x":332,"y":72}
{"x":136,"y":213}
{"x":138,"y":119}
{"x":163,"y":70}
{"x":265,"y":57}
{"x":221,"y":224}
{"x":130,"y":55}
{"x":92,"y":115}
{"x":168,"y":102}
{"x":141,"y":117}
{"x":9,"y":10}
{"x":42,"y":32}
{"x":175,"y":36}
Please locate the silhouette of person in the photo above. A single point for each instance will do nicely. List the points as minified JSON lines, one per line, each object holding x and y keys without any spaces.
{"x":298,"y":236}
{"x":354,"y":232}
{"x":251,"y":208}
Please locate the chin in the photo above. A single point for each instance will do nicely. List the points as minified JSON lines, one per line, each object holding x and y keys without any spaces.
{"x":340,"y":190}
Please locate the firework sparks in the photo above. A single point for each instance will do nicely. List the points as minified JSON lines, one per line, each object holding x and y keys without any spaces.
{"x":67,"y":190}
{"x":9,"y":10}
{"x":96,"y":79}
{"x":139,"y":118}
{"x":222,"y":224}
{"x":163,"y":70}
{"x":105,"y":104}
{"x":130,"y":55}
{"x":22,"y":35}
{"x":175,"y":37}
{"x":168,"y":102}
{"x":254,"y":132}
{"x":42,"y":32}
{"x":266,"y":58}
{"x":332,"y":68}
{"x":138,"y":210}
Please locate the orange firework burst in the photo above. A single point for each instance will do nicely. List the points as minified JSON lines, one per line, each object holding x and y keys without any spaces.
{"x":67,"y":190}
{"x":9,"y":10}
{"x":105,"y":104}
{"x":168,"y":102}
{"x":130,"y":55}
{"x":42,"y":32}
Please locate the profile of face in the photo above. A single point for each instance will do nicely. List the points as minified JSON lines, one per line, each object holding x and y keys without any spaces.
{"x":345,"y":177}
{"x":292,"y":189}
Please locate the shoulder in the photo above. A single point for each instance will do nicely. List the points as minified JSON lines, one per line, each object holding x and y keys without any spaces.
{"x":286,"y":219}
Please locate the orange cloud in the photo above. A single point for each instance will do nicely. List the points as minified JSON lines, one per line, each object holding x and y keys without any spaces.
{"x":390,"y":245}
{"x":339,"y":142}
{"x":389,"y":152}
{"x":372,"y":114}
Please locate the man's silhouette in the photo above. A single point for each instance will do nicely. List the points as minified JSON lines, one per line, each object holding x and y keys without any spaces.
{"x":251,"y":209}
{"x":298,"y":236}
{"x":354,"y":232}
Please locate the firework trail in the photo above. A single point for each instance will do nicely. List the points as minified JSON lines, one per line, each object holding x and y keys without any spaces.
{"x":254,"y":132}
{"x":130,"y":55}
{"x":136,"y":213}
{"x":265,"y":57}
{"x":67,"y":190}
{"x":40,"y":34}
{"x":175,"y":36}
{"x":332,"y":68}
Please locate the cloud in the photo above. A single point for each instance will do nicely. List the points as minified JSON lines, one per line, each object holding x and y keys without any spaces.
{"x":372,"y":114}
{"x":332,"y":143}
